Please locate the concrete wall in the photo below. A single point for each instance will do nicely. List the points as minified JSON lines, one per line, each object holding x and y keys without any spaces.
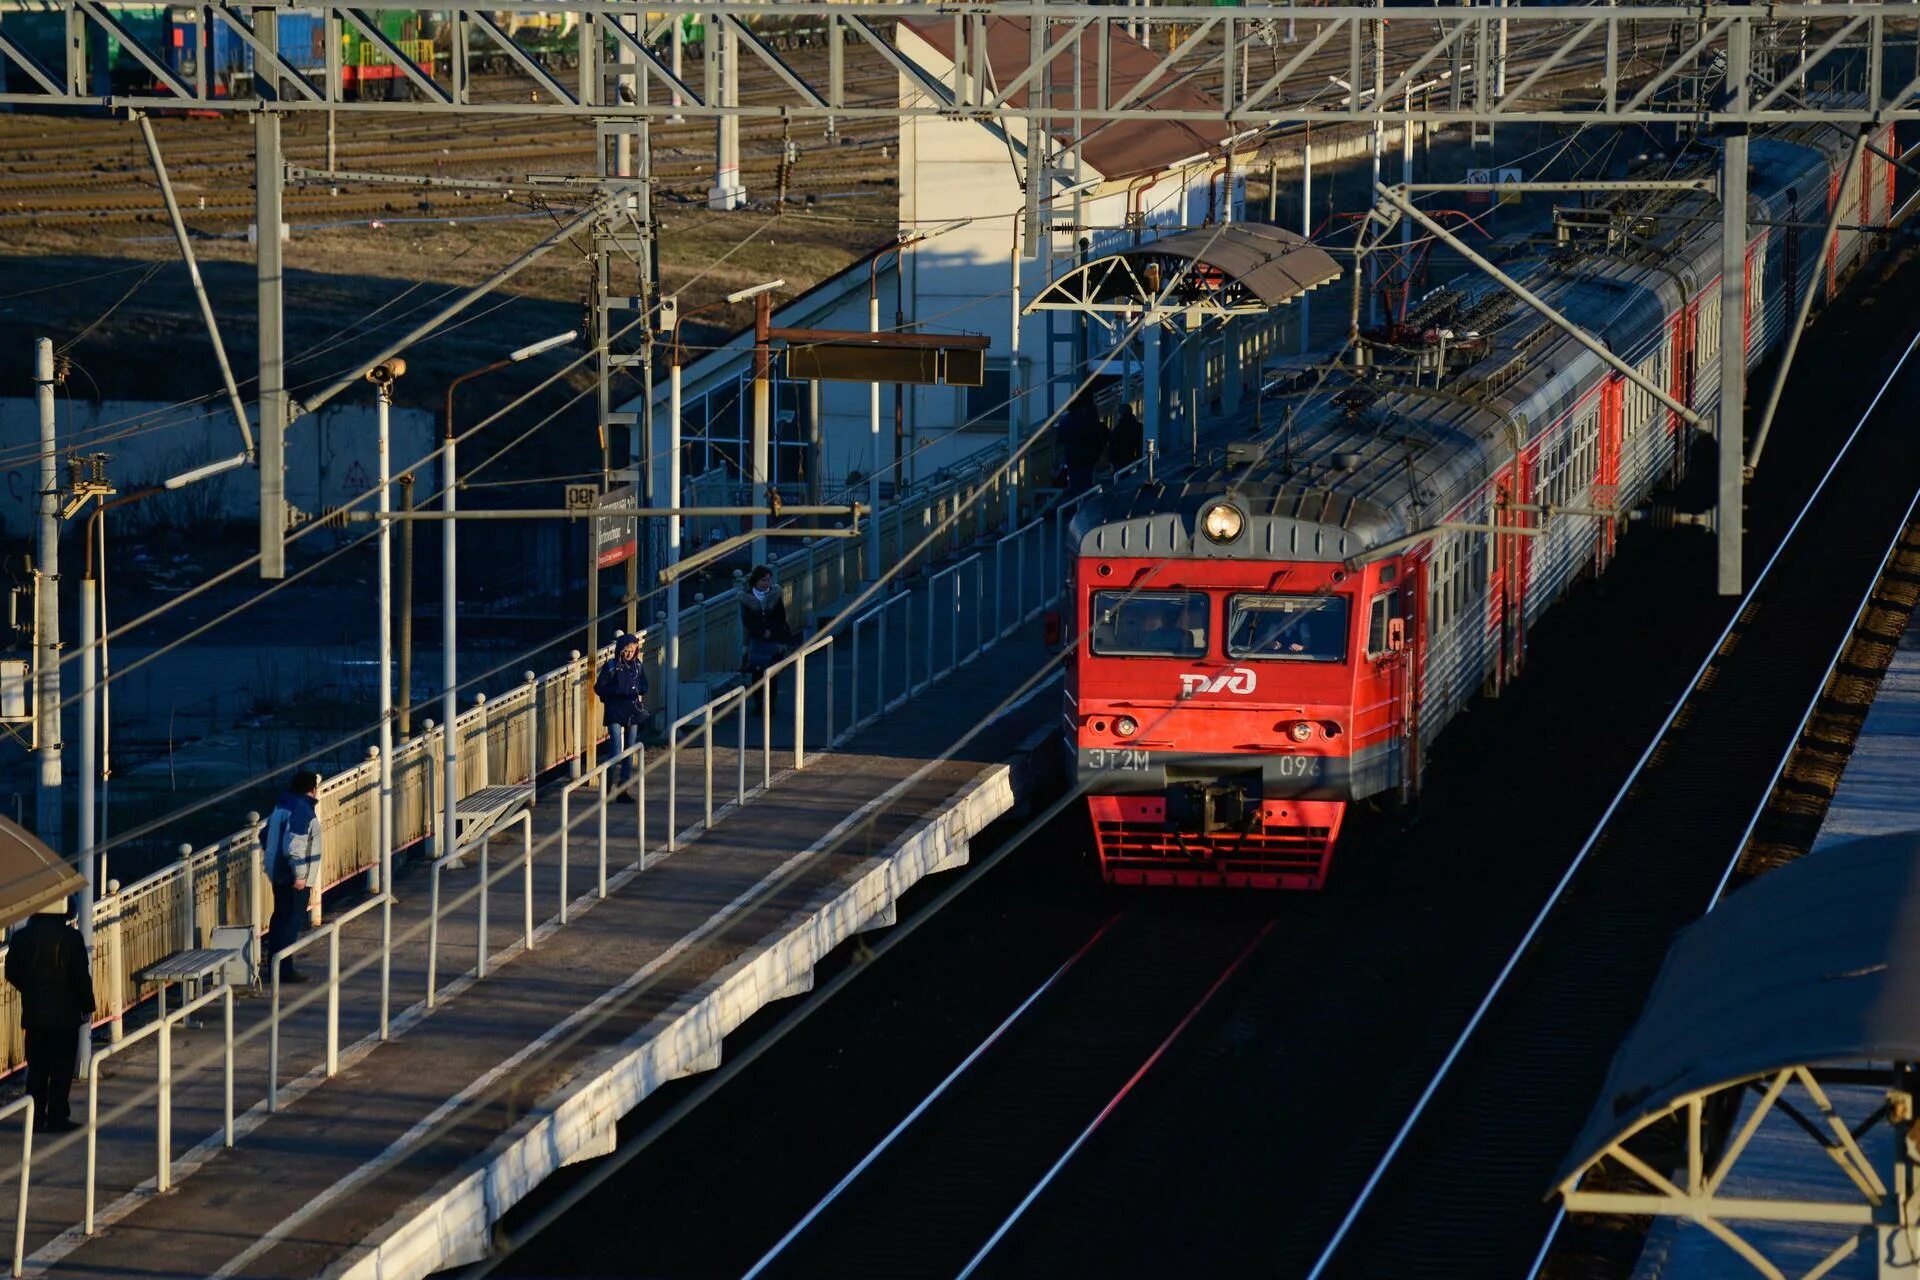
{"x":331,"y":457}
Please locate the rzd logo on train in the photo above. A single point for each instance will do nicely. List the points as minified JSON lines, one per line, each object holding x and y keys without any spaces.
{"x":1195,"y":683}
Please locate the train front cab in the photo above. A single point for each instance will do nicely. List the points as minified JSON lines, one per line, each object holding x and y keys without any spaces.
{"x":1225,"y":713}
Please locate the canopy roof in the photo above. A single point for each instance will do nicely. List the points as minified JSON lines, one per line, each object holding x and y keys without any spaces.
{"x":1238,"y":268}
{"x":1817,"y":963}
{"x":31,"y":874}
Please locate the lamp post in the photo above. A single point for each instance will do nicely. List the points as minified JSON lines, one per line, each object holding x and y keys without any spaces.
{"x":383,"y":376}
{"x":449,"y":665}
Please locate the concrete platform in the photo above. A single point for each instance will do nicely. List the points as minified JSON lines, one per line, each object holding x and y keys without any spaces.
{"x":399,"y":1165}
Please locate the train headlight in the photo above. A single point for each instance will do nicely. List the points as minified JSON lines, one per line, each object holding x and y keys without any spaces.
{"x":1222,"y":522}
{"x":1126,"y":726}
{"x":1300,"y":730}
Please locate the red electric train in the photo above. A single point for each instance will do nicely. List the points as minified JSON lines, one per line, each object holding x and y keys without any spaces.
{"x":1279,"y":630}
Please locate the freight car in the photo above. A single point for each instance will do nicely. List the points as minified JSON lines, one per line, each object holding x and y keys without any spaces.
{"x":1284,"y":628}
{"x":175,"y":36}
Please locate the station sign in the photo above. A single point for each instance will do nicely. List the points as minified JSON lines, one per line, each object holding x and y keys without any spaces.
{"x":615,"y":539}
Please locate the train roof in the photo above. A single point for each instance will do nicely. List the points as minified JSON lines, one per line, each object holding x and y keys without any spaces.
{"x":1362,"y":461}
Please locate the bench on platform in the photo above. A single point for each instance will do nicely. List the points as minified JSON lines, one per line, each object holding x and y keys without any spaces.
{"x":479,"y":815}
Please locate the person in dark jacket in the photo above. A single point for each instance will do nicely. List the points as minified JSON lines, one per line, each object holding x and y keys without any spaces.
{"x":764,"y":627}
{"x":1084,"y":442}
{"x":47,"y":964}
{"x":622,"y":686}
{"x":291,"y":853}
{"x":1128,"y":438}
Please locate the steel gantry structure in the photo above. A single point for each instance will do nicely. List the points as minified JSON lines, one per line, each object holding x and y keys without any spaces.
{"x":1713,"y":66}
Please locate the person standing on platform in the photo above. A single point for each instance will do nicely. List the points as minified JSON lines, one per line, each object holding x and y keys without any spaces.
{"x":622,"y":687}
{"x":1128,"y":438}
{"x":47,"y":965}
{"x":764,"y":625}
{"x":292,"y":857}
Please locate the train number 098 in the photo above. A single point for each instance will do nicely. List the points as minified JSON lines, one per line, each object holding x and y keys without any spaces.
{"x":1296,"y":766}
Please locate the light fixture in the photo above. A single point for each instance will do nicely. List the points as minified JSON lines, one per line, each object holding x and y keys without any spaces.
{"x":755,"y":291}
{"x":543,"y":346}
{"x":1222,"y":522}
{"x":1301,"y":730}
{"x":1126,"y":726}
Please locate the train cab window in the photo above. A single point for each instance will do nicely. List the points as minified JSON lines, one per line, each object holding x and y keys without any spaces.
{"x":1380,"y":617}
{"x":1150,"y":624}
{"x":1297,"y":628}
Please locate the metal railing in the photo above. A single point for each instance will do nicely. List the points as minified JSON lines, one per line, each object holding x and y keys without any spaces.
{"x":532,"y":725}
{"x":524,"y":820}
{"x":1026,"y":547}
{"x":163,"y":1089}
{"x":637,"y":754}
{"x":331,"y":932}
{"x":22,"y":1103}
{"x":705,"y":713}
{"x":901,"y":604}
{"x":946,"y":595}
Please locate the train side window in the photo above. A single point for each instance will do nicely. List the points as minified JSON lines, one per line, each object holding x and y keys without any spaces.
{"x":1150,"y":624}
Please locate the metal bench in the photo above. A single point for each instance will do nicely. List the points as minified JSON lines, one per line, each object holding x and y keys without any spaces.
{"x":480,"y":814}
{"x":189,"y":968}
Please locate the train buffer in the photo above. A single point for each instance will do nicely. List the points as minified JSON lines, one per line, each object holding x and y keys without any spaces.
{"x":400,"y":1164}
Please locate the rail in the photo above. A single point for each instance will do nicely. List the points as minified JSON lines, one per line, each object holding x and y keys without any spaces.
{"x":1794,"y":743}
{"x":1684,"y":704}
{"x":637,"y":753}
{"x":163,"y":1090}
{"x":331,"y":932}
{"x":524,"y":820}
{"x":22,"y":1103}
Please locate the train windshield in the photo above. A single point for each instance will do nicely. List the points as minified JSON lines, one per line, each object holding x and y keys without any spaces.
{"x":1150,"y":624}
{"x":1300,"y":628}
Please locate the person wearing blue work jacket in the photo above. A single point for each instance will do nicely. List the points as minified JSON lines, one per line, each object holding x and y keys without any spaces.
{"x":291,"y":853}
{"x":622,"y":687}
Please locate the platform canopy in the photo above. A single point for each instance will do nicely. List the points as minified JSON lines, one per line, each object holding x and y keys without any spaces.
{"x":1808,"y":976}
{"x":31,"y":874}
{"x":1244,"y":268}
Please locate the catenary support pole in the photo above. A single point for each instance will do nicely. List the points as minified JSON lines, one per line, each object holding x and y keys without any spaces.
{"x":449,"y":663}
{"x":89,"y":751}
{"x":384,"y":452}
{"x":1728,"y":524}
{"x":268,"y":173}
{"x":1805,"y":307}
{"x":672,"y":672}
{"x":193,"y":274}
{"x":1306,"y":229}
{"x":762,"y":402}
{"x":873,"y":452}
{"x":1153,"y":398}
{"x":46,"y":603}
{"x":1013,"y":375}
{"x":406,"y":609}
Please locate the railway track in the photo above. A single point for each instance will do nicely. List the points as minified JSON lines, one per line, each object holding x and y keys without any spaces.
{"x":936,"y":1193}
{"x":1460,"y":1190}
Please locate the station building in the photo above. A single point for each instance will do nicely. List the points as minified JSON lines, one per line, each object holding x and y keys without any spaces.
{"x":965,"y":264}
